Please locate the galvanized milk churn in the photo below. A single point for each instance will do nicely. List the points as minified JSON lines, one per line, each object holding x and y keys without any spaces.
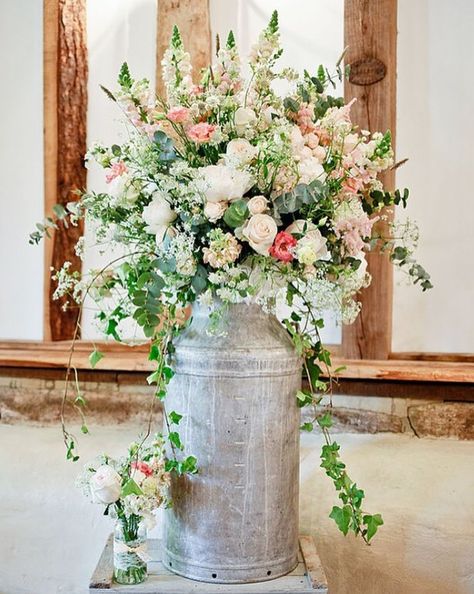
{"x":235,"y":521}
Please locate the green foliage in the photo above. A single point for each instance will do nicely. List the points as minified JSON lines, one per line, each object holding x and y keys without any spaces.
{"x":130,"y":488}
{"x":273,"y":24}
{"x":186,"y":466}
{"x":164,"y":146}
{"x":175,"y":439}
{"x":95,"y":357}
{"x":70,"y":451}
{"x":230,"y":43}
{"x":174,"y":417}
{"x":199,"y":280}
{"x":236,"y":214}
{"x":124,"y":79}
{"x":302,"y":194}
{"x":176,"y":41}
{"x":349,"y":516}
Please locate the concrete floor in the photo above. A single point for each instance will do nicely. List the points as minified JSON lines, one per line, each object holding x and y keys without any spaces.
{"x":51,"y":538}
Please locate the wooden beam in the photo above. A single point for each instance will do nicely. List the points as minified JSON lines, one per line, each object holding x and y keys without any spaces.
{"x":192,"y":18}
{"x":122,"y":358}
{"x":370,"y":33}
{"x":65,"y":111}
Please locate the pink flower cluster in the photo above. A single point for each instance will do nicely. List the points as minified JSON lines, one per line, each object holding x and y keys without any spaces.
{"x":117,"y":169}
{"x":354,"y":233}
{"x":201,"y":132}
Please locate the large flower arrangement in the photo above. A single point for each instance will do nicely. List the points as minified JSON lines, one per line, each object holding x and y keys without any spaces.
{"x":226,"y":192}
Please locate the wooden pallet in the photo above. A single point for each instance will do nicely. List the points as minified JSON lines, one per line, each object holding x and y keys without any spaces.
{"x":307,"y":578}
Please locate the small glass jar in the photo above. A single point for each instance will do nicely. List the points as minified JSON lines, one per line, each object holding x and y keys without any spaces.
{"x":130,"y":551}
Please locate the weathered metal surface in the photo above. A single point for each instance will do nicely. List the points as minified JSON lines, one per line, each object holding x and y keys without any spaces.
{"x":306,"y":578}
{"x":236,"y":521}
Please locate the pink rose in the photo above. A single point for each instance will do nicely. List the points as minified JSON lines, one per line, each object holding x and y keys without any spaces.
{"x":178,"y":114}
{"x":201,"y":132}
{"x":117,"y":169}
{"x":142,"y":467}
{"x":281,"y":248}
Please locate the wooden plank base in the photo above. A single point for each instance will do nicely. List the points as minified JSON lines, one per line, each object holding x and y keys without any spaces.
{"x":307,"y":578}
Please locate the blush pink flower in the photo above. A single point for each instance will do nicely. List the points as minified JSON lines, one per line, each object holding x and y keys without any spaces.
{"x":142,"y":467}
{"x":201,"y":132}
{"x":178,"y":114}
{"x":282,"y":245}
{"x":305,"y":119}
{"x":354,"y":233}
{"x":117,"y":169}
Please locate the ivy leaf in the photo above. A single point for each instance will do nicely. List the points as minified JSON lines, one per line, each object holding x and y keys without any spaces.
{"x":189,"y":465}
{"x":95,"y":357}
{"x":342,"y":516}
{"x":175,"y":417}
{"x":303,"y":398}
{"x":372,"y":523}
{"x":306,"y":427}
{"x":325,"y":421}
{"x":174,"y":438}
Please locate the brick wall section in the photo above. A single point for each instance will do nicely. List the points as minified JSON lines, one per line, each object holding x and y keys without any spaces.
{"x":114,"y":398}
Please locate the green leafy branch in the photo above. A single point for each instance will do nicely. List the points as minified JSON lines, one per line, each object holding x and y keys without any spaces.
{"x":349,"y":515}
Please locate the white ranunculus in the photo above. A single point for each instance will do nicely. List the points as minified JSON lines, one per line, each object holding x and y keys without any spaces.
{"x":158,"y":215}
{"x":215,"y":210}
{"x":260,"y":231}
{"x":221,"y":183}
{"x":240,"y":152}
{"x":243,"y":117}
{"x":312,"y":245}
{"x":257,"y":205}
{"x":105,"y":485}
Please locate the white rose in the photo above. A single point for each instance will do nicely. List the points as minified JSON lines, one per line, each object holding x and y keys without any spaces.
{"x":240,"y":152}
{"x":215,"y":210}
{"x":158,"y":215}
{"x":257,"y":205}
{"x":243,"y":117}
{"x":260,"y":231}
{"x":105,"y":485}
{"x":220,"y":183}
{"x":310,"y":247}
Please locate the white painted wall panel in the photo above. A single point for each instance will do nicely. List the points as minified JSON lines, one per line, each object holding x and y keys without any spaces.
{"x":21,"y":168}
{"x":436,"y":131}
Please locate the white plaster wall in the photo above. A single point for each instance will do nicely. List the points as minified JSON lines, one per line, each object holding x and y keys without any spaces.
{"x":435,"y":128}
{"x":51,"y":537}
{"x":117,"y":31}
{"x":21,"y":168}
